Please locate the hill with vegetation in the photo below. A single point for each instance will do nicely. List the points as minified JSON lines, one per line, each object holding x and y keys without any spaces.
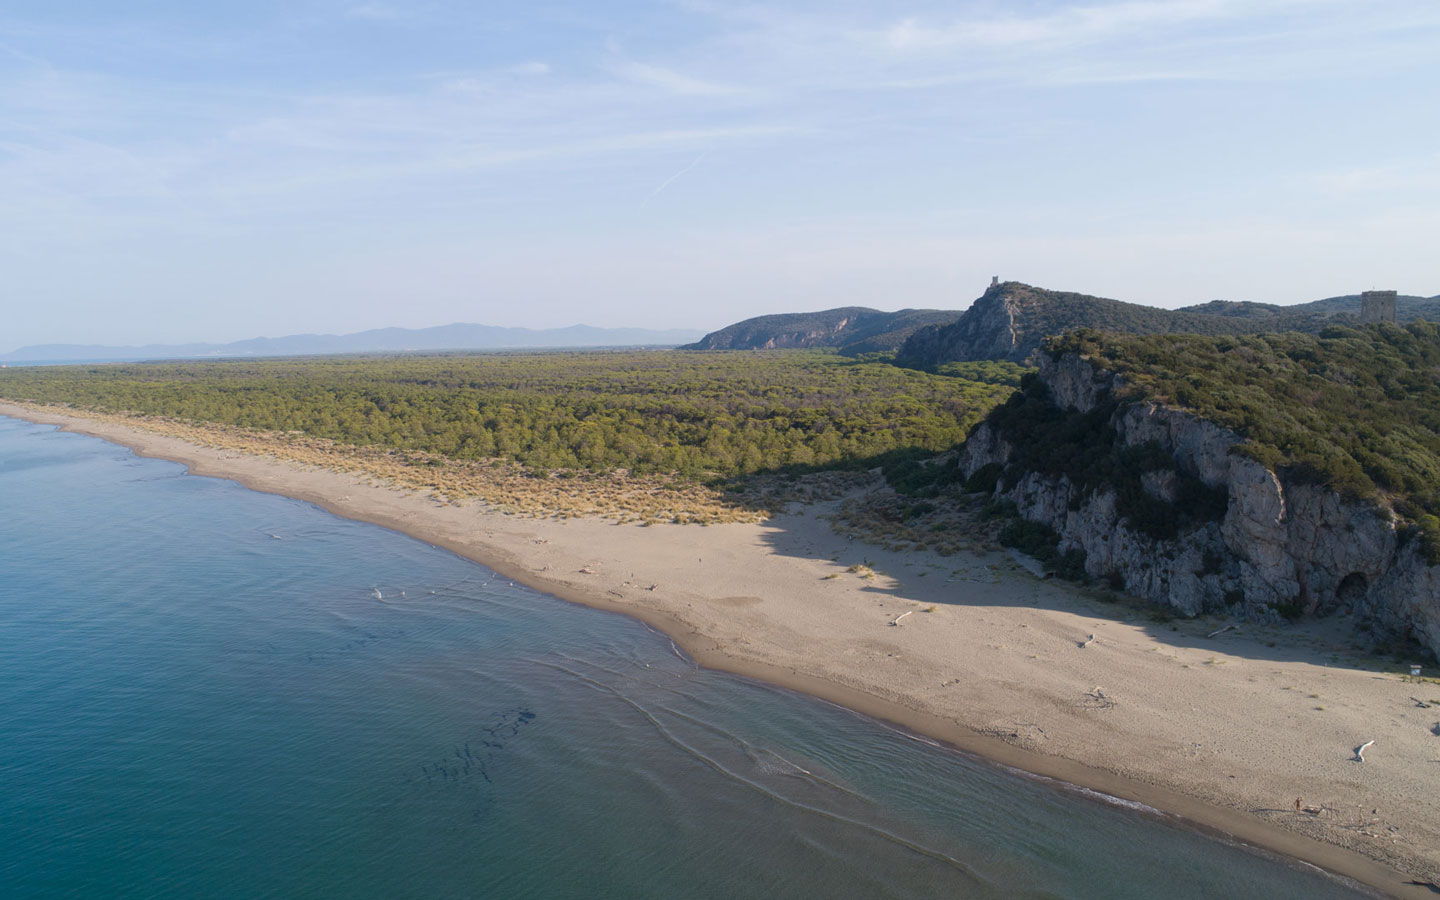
{"x":1272,"y":473}
{"x":1408,"y":307}
{"x":852,"y":330}
{"x":1355,"y":410}
{"x":1344,"y":309}
{"x":698,"y":415}
{"x":1011,"y":319}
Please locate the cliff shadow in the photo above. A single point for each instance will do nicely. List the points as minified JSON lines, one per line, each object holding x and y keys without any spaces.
{"x":871,"y":539}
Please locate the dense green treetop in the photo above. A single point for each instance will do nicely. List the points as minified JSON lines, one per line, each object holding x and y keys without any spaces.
{"x":656,"y":411}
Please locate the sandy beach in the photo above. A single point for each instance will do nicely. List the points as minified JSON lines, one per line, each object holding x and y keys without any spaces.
{"x":1251,"y":732}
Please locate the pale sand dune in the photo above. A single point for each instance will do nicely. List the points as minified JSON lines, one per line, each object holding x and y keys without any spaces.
{"x":1228,"y":731}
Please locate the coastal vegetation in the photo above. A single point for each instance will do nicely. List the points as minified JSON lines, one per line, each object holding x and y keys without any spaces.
{"x":697,"y":416}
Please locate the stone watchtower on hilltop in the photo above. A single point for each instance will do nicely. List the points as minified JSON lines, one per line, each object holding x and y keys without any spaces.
{"x":1377,"y":306}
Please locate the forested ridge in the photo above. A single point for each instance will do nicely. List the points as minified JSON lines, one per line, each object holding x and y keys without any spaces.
{"x":1012,"y":319}
{"x":697,"y":414}
{"x":853,"y":330}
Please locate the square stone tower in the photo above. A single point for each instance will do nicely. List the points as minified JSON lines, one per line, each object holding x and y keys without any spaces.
{"x":1377,"y":306}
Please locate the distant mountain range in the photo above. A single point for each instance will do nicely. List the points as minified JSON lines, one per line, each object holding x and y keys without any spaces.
{"x":853,"y":329}
{"x":380,"y":340}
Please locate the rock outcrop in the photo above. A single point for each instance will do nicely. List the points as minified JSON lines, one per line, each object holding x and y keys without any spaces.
{"x":1281,"y":546}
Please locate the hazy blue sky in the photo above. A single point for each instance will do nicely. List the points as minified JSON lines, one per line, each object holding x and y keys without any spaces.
{"x":186,"y":170}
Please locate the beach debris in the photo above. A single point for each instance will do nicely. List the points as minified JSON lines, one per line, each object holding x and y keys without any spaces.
{"x":1435,"y":729}
{"x":1097,"y":699}
{"x":1421,"y":704}
{"x":1360,"y":750}
{"x":1434,"y":888}
{"x":586,"y":570}
{"x":1087,"y":642}
{"x":378,"y":595}
{"x":1019,"y":731}
{"x":896,"y":621}
{"x":1414,"y":670}
{"x":1222,"y":630}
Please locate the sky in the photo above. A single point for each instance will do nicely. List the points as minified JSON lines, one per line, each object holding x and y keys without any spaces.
{"x":175,"y":171}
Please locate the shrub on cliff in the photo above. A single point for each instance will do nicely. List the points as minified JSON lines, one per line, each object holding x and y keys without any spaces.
{"x":1084,"y":448}
{"x":1355,"y":409}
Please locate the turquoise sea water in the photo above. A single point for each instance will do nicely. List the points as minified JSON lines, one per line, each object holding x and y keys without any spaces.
{"x":210,"y":692}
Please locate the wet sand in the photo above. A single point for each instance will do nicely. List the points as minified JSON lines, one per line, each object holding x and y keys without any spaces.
{"x":1228,"y":732}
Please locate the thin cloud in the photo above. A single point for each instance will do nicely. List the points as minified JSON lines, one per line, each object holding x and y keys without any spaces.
{"x":1069,"y":26}
{"x":669,"y":80}
{"x":671,"y":180}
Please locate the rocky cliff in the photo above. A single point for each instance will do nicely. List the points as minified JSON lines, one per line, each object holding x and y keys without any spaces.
{"x":1167,"y":508}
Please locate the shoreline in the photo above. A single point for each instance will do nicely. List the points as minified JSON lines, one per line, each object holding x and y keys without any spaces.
{"x":729,"y":633}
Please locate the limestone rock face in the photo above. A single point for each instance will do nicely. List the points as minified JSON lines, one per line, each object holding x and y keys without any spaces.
{"x":1163,"y":485}
{"x":1255,"y":532}
{"x":1403,"y":600}
{"x":1074,"y":383}
{"x":1282,"y":545}
{"x":983,"y":447}
{"x":1201,"y":448}
{"x":988,"y":330}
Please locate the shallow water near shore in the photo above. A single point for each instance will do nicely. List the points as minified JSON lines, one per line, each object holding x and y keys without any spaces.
{"x":213,"y":692}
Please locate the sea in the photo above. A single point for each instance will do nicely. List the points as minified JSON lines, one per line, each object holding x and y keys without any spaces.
{"x":208,"y":692}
